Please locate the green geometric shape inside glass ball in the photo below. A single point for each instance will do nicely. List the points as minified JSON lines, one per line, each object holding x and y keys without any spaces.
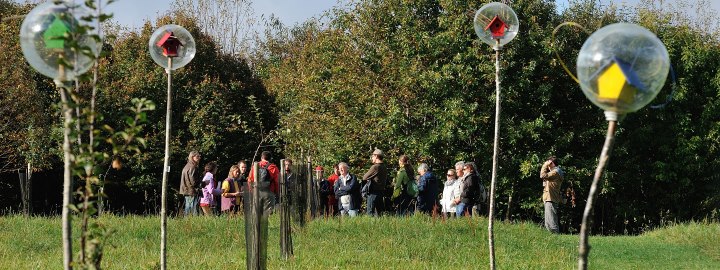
{"x":44,"y":36}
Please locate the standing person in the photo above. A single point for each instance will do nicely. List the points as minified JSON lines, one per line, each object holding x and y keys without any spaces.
{"x":332,"y":199}
{"x":190,"y":183}
{"x":243,"y":175}
{"x":231,"y":192}
{"x":290,"y":179}
{"x":401,"y":195}
{"x":470,"y":190}
{"x":376,"y":177}
{"x":427,"y":189}
{"x":324,"y":191}
{"x":448,"y":196}
{"x":242,"y":181}
{"x":273,"y":173}
{"x":207,"y":202}
{"x":460,"y":183}
{"x":552,"y":177}
{"x":347,"y":189}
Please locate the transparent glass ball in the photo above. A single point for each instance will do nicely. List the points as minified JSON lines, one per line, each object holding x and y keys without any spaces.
{"x":622,"y":67}
{"x":496,"y":22}
{"x":161,"y":48}
{"x":44,"y":40}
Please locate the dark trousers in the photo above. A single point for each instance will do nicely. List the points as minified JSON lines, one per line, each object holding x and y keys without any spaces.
{"x":374,"y":205}
{"x":402,"y":205}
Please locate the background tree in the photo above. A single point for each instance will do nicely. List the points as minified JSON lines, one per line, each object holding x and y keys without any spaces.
{"x":410,"y":78}
{"x":218,"y":106}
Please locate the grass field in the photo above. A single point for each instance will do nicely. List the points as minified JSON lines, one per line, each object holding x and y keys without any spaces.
{"x":361,"y":243}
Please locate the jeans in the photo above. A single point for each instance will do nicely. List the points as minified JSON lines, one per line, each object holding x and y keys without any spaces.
{"x":374,"y":205}
{"x":191,"y":205}
{"x":346,"y":210}
{"x":460,"y":209}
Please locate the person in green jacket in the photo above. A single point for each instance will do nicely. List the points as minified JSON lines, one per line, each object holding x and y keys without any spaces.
{"x":400,"y":197}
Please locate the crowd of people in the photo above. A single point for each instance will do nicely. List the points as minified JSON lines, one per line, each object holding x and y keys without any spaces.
{"x":342,"y":192}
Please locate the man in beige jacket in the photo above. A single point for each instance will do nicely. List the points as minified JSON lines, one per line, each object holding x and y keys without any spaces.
{"x":552,"y":177}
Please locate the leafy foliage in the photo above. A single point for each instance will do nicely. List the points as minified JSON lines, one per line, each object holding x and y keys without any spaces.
{"x":219,"y":108}
{"x":411,"y":78}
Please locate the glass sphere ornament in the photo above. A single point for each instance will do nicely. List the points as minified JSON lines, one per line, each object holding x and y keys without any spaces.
{"x":46,"y":35}
{"x":172,"y":41}
{"x":622,"y":67}
{"x":496,"y":22}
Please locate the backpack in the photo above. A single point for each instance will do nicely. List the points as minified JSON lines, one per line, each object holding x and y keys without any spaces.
{"x":483,"y":192}
{"x":264,"y":174}
{"x":411,"y":188}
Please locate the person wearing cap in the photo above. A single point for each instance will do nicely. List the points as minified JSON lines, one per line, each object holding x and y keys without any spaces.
{"x":376,"y":178}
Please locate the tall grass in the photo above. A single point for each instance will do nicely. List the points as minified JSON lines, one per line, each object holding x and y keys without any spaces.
{"x":416,"y":242}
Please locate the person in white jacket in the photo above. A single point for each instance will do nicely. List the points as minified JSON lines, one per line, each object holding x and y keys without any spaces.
{"x":451,"y":189}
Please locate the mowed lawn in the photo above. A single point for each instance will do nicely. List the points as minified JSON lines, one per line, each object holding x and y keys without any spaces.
{"x":417,"y":242}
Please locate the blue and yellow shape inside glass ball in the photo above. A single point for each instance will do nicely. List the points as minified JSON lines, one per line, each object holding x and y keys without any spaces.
{"x":618,"y":83}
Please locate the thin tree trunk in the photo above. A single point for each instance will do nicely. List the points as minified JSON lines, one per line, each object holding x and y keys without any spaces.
{"x":491,"y":211}
{"x":166,"y":170}
{"x":67,"y":177}
{"x":584,"y":248}
{"x":509,"y":205}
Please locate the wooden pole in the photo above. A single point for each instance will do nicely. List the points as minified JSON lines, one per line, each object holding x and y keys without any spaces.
{"x":309,"y":188}
{"x":286,"y":248}
{"x":252,"y":222}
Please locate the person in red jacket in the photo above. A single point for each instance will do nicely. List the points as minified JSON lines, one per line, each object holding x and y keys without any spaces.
{"x":273,"y":170}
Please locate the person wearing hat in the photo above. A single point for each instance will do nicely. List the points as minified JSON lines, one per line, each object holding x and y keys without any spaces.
{"x":376,"y":178}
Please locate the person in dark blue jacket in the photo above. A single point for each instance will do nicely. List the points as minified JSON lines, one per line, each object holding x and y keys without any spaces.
{"x":427,"y":189}
{"x":347,"y":190}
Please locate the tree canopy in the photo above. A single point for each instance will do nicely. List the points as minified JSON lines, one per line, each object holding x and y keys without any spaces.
{"x":408,"y":77}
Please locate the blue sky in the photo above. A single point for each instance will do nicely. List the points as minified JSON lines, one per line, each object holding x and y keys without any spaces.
{"x":133,"y":13}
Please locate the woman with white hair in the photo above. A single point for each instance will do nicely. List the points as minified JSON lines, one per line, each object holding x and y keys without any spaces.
{"x":427,"y":189}
{"x":451,"y":186}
